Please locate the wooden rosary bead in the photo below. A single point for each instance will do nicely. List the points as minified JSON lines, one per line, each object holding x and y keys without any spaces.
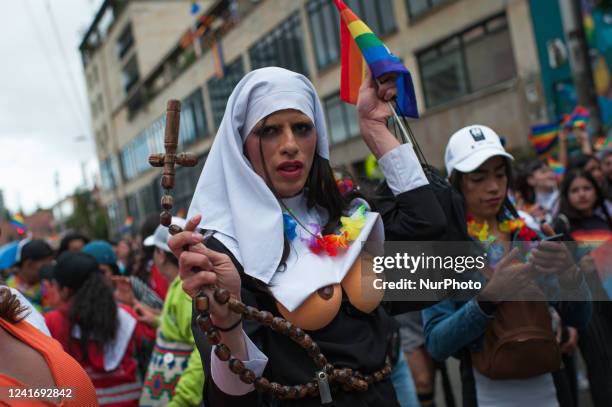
{"x":312,"y":389}
{"x":236,"y":306}
{"x":386,"y":370}
{"x":167,"y":202}
{"x":213,"y":337}
{"x":223,"y":352}
{"x":285,"y":327}
{"x":262,"y":384}
{"x":202,"y":303}
{"x":340,"y":375}
{"x":276,"y":322}
{"x":248,"y":376}
{"x":378,"y":376}
{"x":302,"y":391}
{"x":360,"y":385}
{"x":236,"y":365}
{"x":277,"y":389}
{"x":329,"y":368}
{"x":174,"y":229}
{"x":290,"y":392}
{"x":222,"y":296}
{"x":204,"y":322}
{"x":313,"y":350}
{"x":264,"y":317}
{"x":251,"y":313}
{"x":306,"y":342}
{"x":165,"y":218}
{"x":320,"y":360}
{"x":167,"y":182}
{"x":296,"y":333}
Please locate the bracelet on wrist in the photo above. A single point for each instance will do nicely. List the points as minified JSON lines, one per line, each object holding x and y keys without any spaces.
{"x":231,"y":327}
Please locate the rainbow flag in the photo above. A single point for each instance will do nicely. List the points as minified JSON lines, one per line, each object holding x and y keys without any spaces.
{"x":358,"y":42}
{"x":18,"y":222}
{"x":578,"y":119}
{"x":544,"y":137}
{"x":557,"y":167}
{"x":127,"y":224}
{"x":217,"y":53}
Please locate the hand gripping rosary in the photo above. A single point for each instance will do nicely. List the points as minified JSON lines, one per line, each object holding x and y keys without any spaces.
{"x":320,"y":385}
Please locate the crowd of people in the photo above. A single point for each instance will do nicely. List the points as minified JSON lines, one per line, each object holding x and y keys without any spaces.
{"x":271,"y":227}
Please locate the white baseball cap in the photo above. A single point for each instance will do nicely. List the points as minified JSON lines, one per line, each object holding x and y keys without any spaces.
{"x":161,"y":235}
{"x":471,"y":146}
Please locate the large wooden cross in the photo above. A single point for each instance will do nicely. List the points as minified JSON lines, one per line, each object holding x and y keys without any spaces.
{"x":169,"y":159}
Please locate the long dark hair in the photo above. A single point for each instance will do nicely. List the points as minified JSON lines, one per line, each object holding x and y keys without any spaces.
{"x":456,"y":180}
{"x":94,"y":310}
{"x":568,"y":210}
{"x":521,"y":180}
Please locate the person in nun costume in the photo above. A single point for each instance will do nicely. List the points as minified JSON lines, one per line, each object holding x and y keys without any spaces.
{"x":266,"y":192}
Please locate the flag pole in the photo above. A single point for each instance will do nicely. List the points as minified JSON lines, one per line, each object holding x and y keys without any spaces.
{"x":403,"y":130}
{"x":406,"y":137}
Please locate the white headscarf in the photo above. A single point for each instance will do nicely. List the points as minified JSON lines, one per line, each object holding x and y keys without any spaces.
{"x":231,"y":197}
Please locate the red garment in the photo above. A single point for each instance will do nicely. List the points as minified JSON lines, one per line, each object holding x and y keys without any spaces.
{"x":158,"y":282}
{"x":117,"y":388}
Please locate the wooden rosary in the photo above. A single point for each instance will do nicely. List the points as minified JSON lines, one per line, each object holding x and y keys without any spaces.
{"x":349,"y":379}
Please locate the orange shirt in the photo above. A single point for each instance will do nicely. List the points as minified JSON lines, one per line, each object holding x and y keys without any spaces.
{"x":67,"y":373}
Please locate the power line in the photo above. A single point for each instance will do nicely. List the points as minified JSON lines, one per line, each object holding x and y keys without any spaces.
{"x":66,"y":64}
{"x":51,"y":63}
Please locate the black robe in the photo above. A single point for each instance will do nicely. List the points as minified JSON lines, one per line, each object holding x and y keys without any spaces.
{"x":352,"y":339}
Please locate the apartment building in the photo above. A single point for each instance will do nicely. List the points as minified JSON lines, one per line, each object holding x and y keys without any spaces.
{"x":472,"y":61}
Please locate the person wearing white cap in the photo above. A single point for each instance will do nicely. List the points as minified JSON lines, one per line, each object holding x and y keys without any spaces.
{"x":277,"y":238}
{"x":479,"y":168}
{"x":175,"y":375}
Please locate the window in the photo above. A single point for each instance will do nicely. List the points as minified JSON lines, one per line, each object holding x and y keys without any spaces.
{"x":283,"y":47}
{"x":419,"y":7}
{"x":341,"y":119}
{"x":221,"y":89}
{"x":478,"y":57}
{"x":324,"y":24}
{"x":109,"y":172}
{"x":130,"y":74}
{"x":193,"y":118}
{"x":125,"y":41}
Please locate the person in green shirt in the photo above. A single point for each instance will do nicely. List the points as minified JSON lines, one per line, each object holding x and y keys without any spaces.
{"x":175,"y":376}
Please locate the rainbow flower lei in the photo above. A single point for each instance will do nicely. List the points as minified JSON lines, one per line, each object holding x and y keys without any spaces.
{"x":496,"y":251}
{"x":330,"y":244}
{"x":481,"y":231}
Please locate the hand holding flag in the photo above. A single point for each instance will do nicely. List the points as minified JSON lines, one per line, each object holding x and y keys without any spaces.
{"x":357,"y":41}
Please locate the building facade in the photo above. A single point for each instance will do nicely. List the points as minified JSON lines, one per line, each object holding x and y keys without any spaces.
{"x":472,"y":61}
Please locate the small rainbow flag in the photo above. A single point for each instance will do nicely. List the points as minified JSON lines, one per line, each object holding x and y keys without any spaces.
{"x":127,"y":224}
{"x":557,"y":167}
{"x":578,"y":119}
{"x":544,"y":137}
{"x":18,"y":222}
{"x":358,"y":42}
{"x":217,"y":53}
